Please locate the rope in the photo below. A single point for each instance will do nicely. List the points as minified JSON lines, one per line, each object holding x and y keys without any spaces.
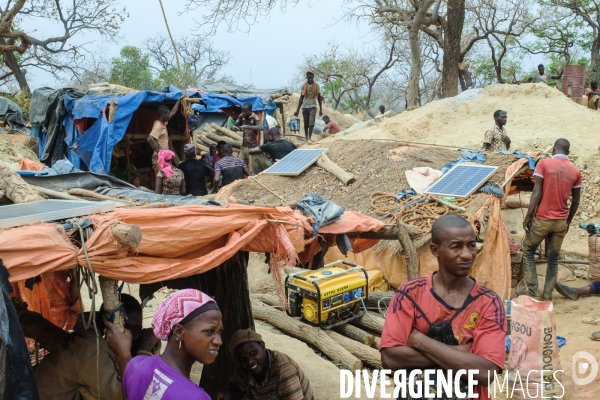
{"x":89,"y":277}
{"x":418,"y":210}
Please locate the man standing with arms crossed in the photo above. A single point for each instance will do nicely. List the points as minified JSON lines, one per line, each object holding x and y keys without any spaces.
{"x":549,"y":214}
{"x":309,"y":96}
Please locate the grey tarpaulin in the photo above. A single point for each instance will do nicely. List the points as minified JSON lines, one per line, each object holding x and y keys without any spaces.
{"x":151,"y":197}
{"x":41,"y":99}
{"x":218,"y":87}
{"x":83,"y":180}
{"x":18,"y":382}
{"x":323,"y":211}
{"x":12,"y":114}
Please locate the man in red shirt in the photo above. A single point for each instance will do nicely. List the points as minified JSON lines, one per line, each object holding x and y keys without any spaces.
{"x":555,"y":180}
{"x":331,"y":125}
{"x":447,"y":321}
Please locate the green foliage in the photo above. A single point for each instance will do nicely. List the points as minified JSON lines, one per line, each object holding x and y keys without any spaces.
{"x":171,"y":76}
{"x":22,"y":101}
{"x":132,"y":69}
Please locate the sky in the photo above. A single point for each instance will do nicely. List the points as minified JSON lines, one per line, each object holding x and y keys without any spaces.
{"x":267,"y":55}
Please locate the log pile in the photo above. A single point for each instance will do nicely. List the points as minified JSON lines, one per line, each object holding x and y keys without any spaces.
{"x":212,"y":134}
{"x":352,"y":345}
{"x":281,"y":97}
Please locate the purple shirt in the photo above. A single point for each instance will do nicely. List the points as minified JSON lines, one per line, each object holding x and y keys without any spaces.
{"x":150,"y":378}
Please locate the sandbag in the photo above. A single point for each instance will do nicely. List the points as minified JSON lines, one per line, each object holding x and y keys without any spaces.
{"x":594,"y":257}
{"x":515,"y":201}
{"x":534,"y":346}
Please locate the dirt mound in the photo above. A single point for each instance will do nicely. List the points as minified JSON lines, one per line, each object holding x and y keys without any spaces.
{"x":345,"y":121}
{"x":537,"y":116}
{"x":378,"y":166}
{"x":13,"y":146}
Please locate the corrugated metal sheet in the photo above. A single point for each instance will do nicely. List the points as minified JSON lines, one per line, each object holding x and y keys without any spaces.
{"x":575,"y":75}
{"x":49,"y":210}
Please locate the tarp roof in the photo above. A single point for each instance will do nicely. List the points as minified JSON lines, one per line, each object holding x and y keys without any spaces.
{"x":236,"y":90}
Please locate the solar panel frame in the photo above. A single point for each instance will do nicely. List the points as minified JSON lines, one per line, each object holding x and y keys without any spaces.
{"x":446,"y":185}
{"x":295,"y":162}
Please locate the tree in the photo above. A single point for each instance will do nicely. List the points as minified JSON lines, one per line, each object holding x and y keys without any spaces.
{"x":95,"y":69}
{"x":132,"y":69}
{"x":200,"y":59}
{"x":20,"y":50}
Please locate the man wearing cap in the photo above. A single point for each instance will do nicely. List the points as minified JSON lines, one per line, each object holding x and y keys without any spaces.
{"x":195,"y":172}
{"x":262,"y":373}
{"x":309,"y":96}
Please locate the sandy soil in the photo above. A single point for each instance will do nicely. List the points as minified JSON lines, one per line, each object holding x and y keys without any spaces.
{"x":12,"y":146}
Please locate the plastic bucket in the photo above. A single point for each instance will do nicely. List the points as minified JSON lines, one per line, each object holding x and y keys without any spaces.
{"x":294,"y":124}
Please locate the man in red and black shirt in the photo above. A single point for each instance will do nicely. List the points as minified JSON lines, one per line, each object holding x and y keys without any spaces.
{"x":556,"y":180}
{"x":469,"y":320}
{"x":251,"y":127}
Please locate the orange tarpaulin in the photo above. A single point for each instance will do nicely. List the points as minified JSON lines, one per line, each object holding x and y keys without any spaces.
{"x":176,"y":242}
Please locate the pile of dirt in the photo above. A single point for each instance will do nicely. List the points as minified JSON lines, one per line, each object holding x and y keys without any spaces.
{"x":537,"y":115}
{"x":15,"y":145}
{"x":379,"y":166}
{"x":345,"y":121}
{"x":590,"y":194}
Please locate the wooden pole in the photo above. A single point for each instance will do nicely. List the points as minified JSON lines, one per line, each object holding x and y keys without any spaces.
{"x":410,"y":252}
{"x":226,"y":132}
{"x":111,"y":299}
{"x":445,"y":203}
{"x":334,"y":169}
{"x":56,"y":194}
{"x":183,"y":85}
{"x":98,"y":196}
{"x":356,"y":333}
{"x":226,"y":139}
{"x":367,"y":354}
{"x":309,"y":334}
{"x":368,"y":323}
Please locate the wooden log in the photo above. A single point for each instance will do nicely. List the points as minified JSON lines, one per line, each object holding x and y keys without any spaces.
{"x":98,"y":196}
{"x":110,"y":297}
{"x":127,"y":235}
{"x":376,"y":343}
{"x":334,"y":169}
{"x":366,"y":354}
{"x":355,"y":333}
{"x":15,"y":188}
{"x":226,"y":139}
{"x":55,"y":194}
{"x":226,"y":132}
{"x":374,"y":297}
{"x":388,"y":232}
{"x":309,"y":334}
{"x":410,"y":252}
{"x":162,"y":204}
{"x":449,"y":205}
{"x":203,"y":138}
{"x":201,"y":147}
{"x":367,"y":323}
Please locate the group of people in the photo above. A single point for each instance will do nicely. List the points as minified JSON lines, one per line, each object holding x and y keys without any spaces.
{"x":128,"y":365}
{"x":219,"y":167}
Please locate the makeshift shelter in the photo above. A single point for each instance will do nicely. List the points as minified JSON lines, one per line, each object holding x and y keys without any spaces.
{"x":210,"y":254}
{"x":89,"y":128}
{"x":379,"y":168}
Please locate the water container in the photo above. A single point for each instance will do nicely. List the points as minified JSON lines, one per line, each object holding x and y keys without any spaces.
{"x":294,"y":124}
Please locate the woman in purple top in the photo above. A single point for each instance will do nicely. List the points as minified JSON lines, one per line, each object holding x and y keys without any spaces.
{"x":190,"y":322}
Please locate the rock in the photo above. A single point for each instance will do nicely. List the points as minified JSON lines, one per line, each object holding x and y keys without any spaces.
{"x":597,"y":180}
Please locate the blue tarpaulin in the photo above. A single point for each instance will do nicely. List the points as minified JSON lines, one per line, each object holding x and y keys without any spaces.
{"x":520,"y":155}
{"x":466,"y":155}
{"x":93,"y":150}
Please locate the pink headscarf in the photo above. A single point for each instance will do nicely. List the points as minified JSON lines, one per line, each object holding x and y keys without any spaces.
{"x":177,"y":308}
{"x":164,"y":156}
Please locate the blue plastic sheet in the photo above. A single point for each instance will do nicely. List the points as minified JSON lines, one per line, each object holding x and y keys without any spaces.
{"x":406,"y":194}
{"x":323,"y":211}
{"x":216,"y":102}
{"x":466,"y":155}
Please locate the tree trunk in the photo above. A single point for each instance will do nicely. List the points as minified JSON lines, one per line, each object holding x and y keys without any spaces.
{"x":366,"y":354}
{"x":355,"y":333}
{"x":412,"y":91}
{"x":452,"y":50}
{"x":11,"y":62}
{"x":375,"y":324}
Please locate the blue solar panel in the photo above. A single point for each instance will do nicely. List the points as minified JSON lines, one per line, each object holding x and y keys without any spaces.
{"x":462,"y":180}
{"x":296,"y":162}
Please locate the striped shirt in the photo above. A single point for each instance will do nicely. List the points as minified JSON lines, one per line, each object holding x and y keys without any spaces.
{"x":229,"y":162}
{"x":284,"y":380}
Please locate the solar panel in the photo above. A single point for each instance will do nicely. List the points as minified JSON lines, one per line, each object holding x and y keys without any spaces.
{"x":295,"y":163}
{"x":462,"y":180}
{"x":49,"y":210}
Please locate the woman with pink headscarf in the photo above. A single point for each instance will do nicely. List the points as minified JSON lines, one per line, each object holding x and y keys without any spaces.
{"x":190,"y":322}
{"x":169,"y":180}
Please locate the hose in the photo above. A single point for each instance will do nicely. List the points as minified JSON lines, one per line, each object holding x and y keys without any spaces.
{"x":367,"y":312}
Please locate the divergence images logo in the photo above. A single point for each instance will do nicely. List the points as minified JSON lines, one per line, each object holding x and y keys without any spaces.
{"x":579,"y":368}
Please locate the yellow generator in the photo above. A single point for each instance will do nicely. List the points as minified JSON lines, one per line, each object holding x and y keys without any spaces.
{"x":330,"y":296}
